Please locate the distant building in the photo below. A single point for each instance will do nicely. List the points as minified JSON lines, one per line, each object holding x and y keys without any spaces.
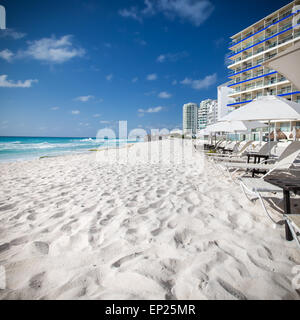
{"x":207,"y":113}
{"x":190,"y":116}
{"x":212,"y":114}
{"x":224,"y":100}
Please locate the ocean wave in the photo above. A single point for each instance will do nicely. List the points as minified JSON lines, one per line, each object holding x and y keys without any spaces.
{"x":88,"y":140}
{"x":20,"y":146}
{"x":35,"y":147}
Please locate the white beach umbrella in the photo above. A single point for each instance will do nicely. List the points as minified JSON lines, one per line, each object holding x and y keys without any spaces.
{"x":266,"y":109}
{"x":234,"y":126}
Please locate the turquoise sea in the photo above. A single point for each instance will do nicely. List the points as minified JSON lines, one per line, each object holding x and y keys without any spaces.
{"x":25,"y":148}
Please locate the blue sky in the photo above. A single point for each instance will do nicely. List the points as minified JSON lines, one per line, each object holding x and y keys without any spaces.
{"x":69,"y":68}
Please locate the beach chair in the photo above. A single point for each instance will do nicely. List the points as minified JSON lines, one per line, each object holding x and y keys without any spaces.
{"x":213,"y":147}
{"x":252,"y":189}
{"x":284,"y":162}
{"x":255,"y":187}
{"x":222,"y":145}
{"x":232,"y":147}
{"x":240,"y":152}
{"x":263,"y":150}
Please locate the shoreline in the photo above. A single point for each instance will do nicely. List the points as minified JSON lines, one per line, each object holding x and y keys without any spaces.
{"x":64,"y":154}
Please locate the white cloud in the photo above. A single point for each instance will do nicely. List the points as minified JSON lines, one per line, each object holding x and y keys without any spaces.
{"x":11,"y":84}
{"x":151,"y":110}
{"x":171,"y":56}
{"x":201,"y":83}
{"x":6,"y":33}
{"x":6,"y":55}
{"x":131,"y":13}
{"x":104,"y":122}
{"x":219,"y":42}
{"x":109,"y":77}
{"x":134,"y":79}
{"x":97,"y":115}
{"x":84,"y":124}
{"x":174,"y":82}
{"x":149,"y":9}
{"x":84,"y":98}
{"x":164,"y":95}
{"x":141,"y":42}
{"x":150,"y":93}
{"x":196,"y":12}
{"x":75,"y":111}
{"x":152,"y":76}
{"x":53,"y":50}
{"x":161,"y":58}
{"x":55,"y":108}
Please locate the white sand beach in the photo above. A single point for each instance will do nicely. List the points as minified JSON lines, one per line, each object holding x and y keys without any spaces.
{"x":97,"y":226}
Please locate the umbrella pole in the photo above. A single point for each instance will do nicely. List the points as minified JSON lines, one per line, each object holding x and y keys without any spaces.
{"x":260,"y":136}
{"x":269,"y":136}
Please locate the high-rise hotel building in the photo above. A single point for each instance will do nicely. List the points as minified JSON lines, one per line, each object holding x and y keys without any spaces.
{"x":256,"y":44}
{"x":190,"y":116}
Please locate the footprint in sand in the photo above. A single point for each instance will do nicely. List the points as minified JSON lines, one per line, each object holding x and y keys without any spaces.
{"x":119,"y":262}
{"x":41,"y":247}
{"x":7,"y":207}
{"x":156,"y":232}
{"x":19,"y":241}
{"x":231,"y":290}
{"x":36,"y":281}
{"x":4,"y":247}
{"x":58,"y":215}
{"x":106,"y":220}
{"x":172,"y":224}
{"x":31,"y":217}
{"x":142,"y":210}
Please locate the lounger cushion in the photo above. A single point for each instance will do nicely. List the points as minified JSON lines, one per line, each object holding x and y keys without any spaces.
{"x":259,"y":185}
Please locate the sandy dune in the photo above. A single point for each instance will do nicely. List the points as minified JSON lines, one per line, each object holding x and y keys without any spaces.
{"x":117,"y":224}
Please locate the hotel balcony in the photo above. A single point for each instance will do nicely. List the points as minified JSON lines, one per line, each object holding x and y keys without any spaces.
{"x":257,"y":29}
{"x":263,"y":83}
{"x":282,"y":88}
{"x":277,"y":42}
{"x":257,"y":44}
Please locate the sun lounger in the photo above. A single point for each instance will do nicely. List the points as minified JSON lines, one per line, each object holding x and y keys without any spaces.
{"x":254,"y":187}
{"x":213,"y":147}
{"x":225,"y":146}
{"x":232,"y":147}
{"x":263,"y":150}
{"x":285,"y":161}
{"x":237,"y":155}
